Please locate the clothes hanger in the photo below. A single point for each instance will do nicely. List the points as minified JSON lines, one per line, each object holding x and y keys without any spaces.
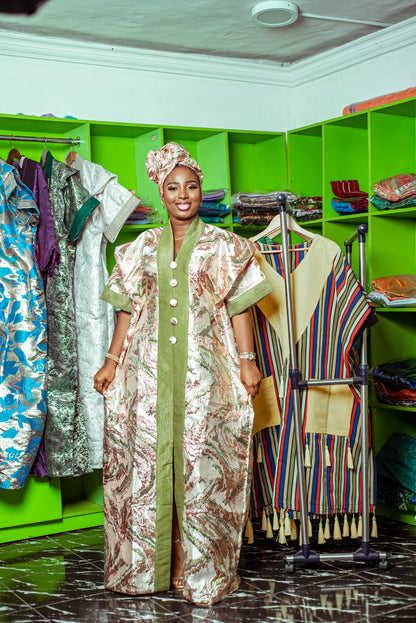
{"x":45,"y":151}
{"x":14,"y":154}
{"x":70,"y":158}
{"x":274,"y":228}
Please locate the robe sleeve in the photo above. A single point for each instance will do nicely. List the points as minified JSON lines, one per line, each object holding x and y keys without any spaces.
{"x":356,"y":309}
{"x":239,"y":281}
{"x":117,"y":203}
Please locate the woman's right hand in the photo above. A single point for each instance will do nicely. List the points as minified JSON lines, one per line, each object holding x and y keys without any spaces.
{"x":105,"y":376}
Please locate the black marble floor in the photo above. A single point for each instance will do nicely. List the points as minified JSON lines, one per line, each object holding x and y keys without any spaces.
{"x":60,"y":579}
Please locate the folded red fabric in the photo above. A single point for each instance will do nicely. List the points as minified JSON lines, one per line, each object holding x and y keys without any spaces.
{"x":347,"y":188}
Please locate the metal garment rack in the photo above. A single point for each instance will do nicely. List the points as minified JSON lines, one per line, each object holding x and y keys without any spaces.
{"x":41,"y":139}
{"x":305,"y":555}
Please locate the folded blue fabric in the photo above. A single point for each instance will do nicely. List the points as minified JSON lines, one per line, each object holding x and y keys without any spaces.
{"x":401,"y":373}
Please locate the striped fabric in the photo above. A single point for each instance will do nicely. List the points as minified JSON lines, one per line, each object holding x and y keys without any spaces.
{"x":324,"y":350}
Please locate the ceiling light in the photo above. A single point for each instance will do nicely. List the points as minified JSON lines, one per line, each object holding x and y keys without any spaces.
{"x":274,"y":13}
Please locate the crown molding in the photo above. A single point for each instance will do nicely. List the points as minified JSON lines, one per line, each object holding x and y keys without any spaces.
{"x":56,"y":49}
{"x":357,"y":52}
{"x":25,"y":45}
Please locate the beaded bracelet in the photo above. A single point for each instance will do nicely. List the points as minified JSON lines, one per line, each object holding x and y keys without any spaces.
{"x":112,"y":357}
{"x":250,"y":356}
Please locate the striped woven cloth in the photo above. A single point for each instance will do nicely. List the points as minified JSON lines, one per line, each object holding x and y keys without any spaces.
{"x":324,"y":350}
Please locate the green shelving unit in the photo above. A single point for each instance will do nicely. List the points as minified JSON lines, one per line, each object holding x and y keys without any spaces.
{"x":249,"y":161}
{"x":366,"y":146}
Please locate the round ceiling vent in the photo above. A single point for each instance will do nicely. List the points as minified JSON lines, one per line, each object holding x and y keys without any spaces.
{"x":274,"y":13}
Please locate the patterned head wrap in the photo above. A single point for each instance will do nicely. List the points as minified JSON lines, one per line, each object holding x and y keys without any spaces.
{"x":161,"y":162}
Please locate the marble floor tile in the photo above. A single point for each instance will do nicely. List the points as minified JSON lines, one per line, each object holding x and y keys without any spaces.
{"x":60,"y":579}
{"x":65,"y":581}
{"x":28,"y":615}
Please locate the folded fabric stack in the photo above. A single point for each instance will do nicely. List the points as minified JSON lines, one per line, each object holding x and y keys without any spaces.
{"x":348,"y":198}
{"x":306,"y":209}
{"x":396,"y":472}
{"x":140,"y":216}
{"x":258,"y":208}
{"x":395,"y":382}
{"x":394,"y":291}
{"x":395,"y":192}
{"x":212,"y":210}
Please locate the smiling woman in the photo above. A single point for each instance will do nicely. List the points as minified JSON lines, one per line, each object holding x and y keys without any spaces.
{"x":177,"y":450}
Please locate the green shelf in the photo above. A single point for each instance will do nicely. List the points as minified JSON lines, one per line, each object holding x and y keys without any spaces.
{"x":366,"y":146}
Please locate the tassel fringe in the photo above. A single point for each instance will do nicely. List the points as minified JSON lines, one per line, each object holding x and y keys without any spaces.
{"x":354,"y":534}
{"x":327,"y":457}
{"x":345,"y":528}
{"x":350,"y":461}
{"x":249,"y":532}
{"x":360,"y":526}
{"x":337,"y":530}
{"x":327,"y":531}
{"x":288,"y":527}
{"x":259,"y":455}
{"x":264,"y":521}
{"x":282,"y":537}
{"x":321,"y":538}
{"x":275,"y":520}
{"x":307,"y":456}
{"x":374,"y":531}
{"x":294,"y":534}
{"x":269,"y":533}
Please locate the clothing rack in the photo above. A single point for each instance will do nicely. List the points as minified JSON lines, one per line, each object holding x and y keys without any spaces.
{"x":41,"y":139}
{"x":305,"y":556}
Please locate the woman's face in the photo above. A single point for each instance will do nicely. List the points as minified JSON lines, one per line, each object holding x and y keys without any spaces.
{"x":182,"y":194}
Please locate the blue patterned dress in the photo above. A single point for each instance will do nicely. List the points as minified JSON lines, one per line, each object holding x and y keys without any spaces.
{"x":23,"y":342}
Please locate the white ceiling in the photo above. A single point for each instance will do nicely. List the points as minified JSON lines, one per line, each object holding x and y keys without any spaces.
{"x":221,"y":28}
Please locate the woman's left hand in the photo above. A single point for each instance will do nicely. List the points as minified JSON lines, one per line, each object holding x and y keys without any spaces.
{"x":250,"y":376}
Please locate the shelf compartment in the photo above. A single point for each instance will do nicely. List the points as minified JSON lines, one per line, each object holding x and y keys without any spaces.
{"x":392,"y":243}
{"x":393,"y":338}
{"x":305,"y":161}
{"x":340,"y":230}
{"x":345,"y":155}
{"x":43,"y":128}
{"x":393,"y":143}
{"x":257,"y":162}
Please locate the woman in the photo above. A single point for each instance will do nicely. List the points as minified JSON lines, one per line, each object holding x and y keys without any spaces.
{"x":178,"y":381}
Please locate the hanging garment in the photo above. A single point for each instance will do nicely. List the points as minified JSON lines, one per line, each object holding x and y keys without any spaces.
{"x":23,"y":338}
{"x":47,"y":248}
{"x":177,"y":415}
{"x":330,"y":311}
{"x":66,"y":443}
{"x":94,"y":318}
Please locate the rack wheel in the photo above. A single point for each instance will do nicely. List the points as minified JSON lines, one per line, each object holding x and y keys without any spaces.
{"x":384,"y":564}
{"x":290,"y":567}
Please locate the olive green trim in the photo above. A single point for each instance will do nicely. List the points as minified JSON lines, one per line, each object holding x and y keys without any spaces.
{"x":249,"y":298}
{"x":81,"y":218}
{"x":116,"y":299}
{"x":172,"y":363}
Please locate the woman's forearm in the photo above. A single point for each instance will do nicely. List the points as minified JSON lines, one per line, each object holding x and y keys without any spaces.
{"x":243,"y":331}
{"x":120,"y":332}
{"x":249,"y":373}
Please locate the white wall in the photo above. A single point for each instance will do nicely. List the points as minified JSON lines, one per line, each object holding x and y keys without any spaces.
{"x":38,"y":86}
{"x":325,"y":98}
